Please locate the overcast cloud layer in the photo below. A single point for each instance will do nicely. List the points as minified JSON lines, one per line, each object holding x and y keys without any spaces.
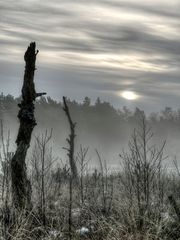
{"x":95,"y":49}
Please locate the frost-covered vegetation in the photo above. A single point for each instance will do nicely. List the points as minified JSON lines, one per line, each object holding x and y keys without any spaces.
{"x":140,"y":200}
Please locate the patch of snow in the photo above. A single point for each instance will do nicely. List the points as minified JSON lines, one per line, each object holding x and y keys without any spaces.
{"x":83,"y":231}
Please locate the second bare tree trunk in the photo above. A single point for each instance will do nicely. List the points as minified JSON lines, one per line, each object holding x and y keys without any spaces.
{"x":70,"y":141}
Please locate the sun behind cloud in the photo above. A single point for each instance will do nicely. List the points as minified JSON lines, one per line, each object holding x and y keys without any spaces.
{"x":129,"y":95}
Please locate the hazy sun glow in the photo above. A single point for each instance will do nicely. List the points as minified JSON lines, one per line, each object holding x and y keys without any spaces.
{"x":129,"y":95}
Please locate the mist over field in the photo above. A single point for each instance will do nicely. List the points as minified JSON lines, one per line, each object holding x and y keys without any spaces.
{"x":99,"y":126}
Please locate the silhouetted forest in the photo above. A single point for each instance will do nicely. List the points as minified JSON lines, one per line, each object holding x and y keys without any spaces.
{"x":99,"y":125}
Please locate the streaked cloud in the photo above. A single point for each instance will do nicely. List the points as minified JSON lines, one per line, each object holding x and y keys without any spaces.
{"x":95,"y":48}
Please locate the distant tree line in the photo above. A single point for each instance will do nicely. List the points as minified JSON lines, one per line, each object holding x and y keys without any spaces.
{"x":9,"y":103}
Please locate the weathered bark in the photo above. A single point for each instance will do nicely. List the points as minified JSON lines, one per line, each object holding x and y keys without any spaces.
{"x":21,"y":187}
{"x":70,"y":141}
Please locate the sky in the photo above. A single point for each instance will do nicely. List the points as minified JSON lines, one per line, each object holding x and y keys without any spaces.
{"x":126,"y":52}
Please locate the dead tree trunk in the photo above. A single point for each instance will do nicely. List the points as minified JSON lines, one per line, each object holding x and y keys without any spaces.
{"x":21,"y":187}
{"x":70,"y":141}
